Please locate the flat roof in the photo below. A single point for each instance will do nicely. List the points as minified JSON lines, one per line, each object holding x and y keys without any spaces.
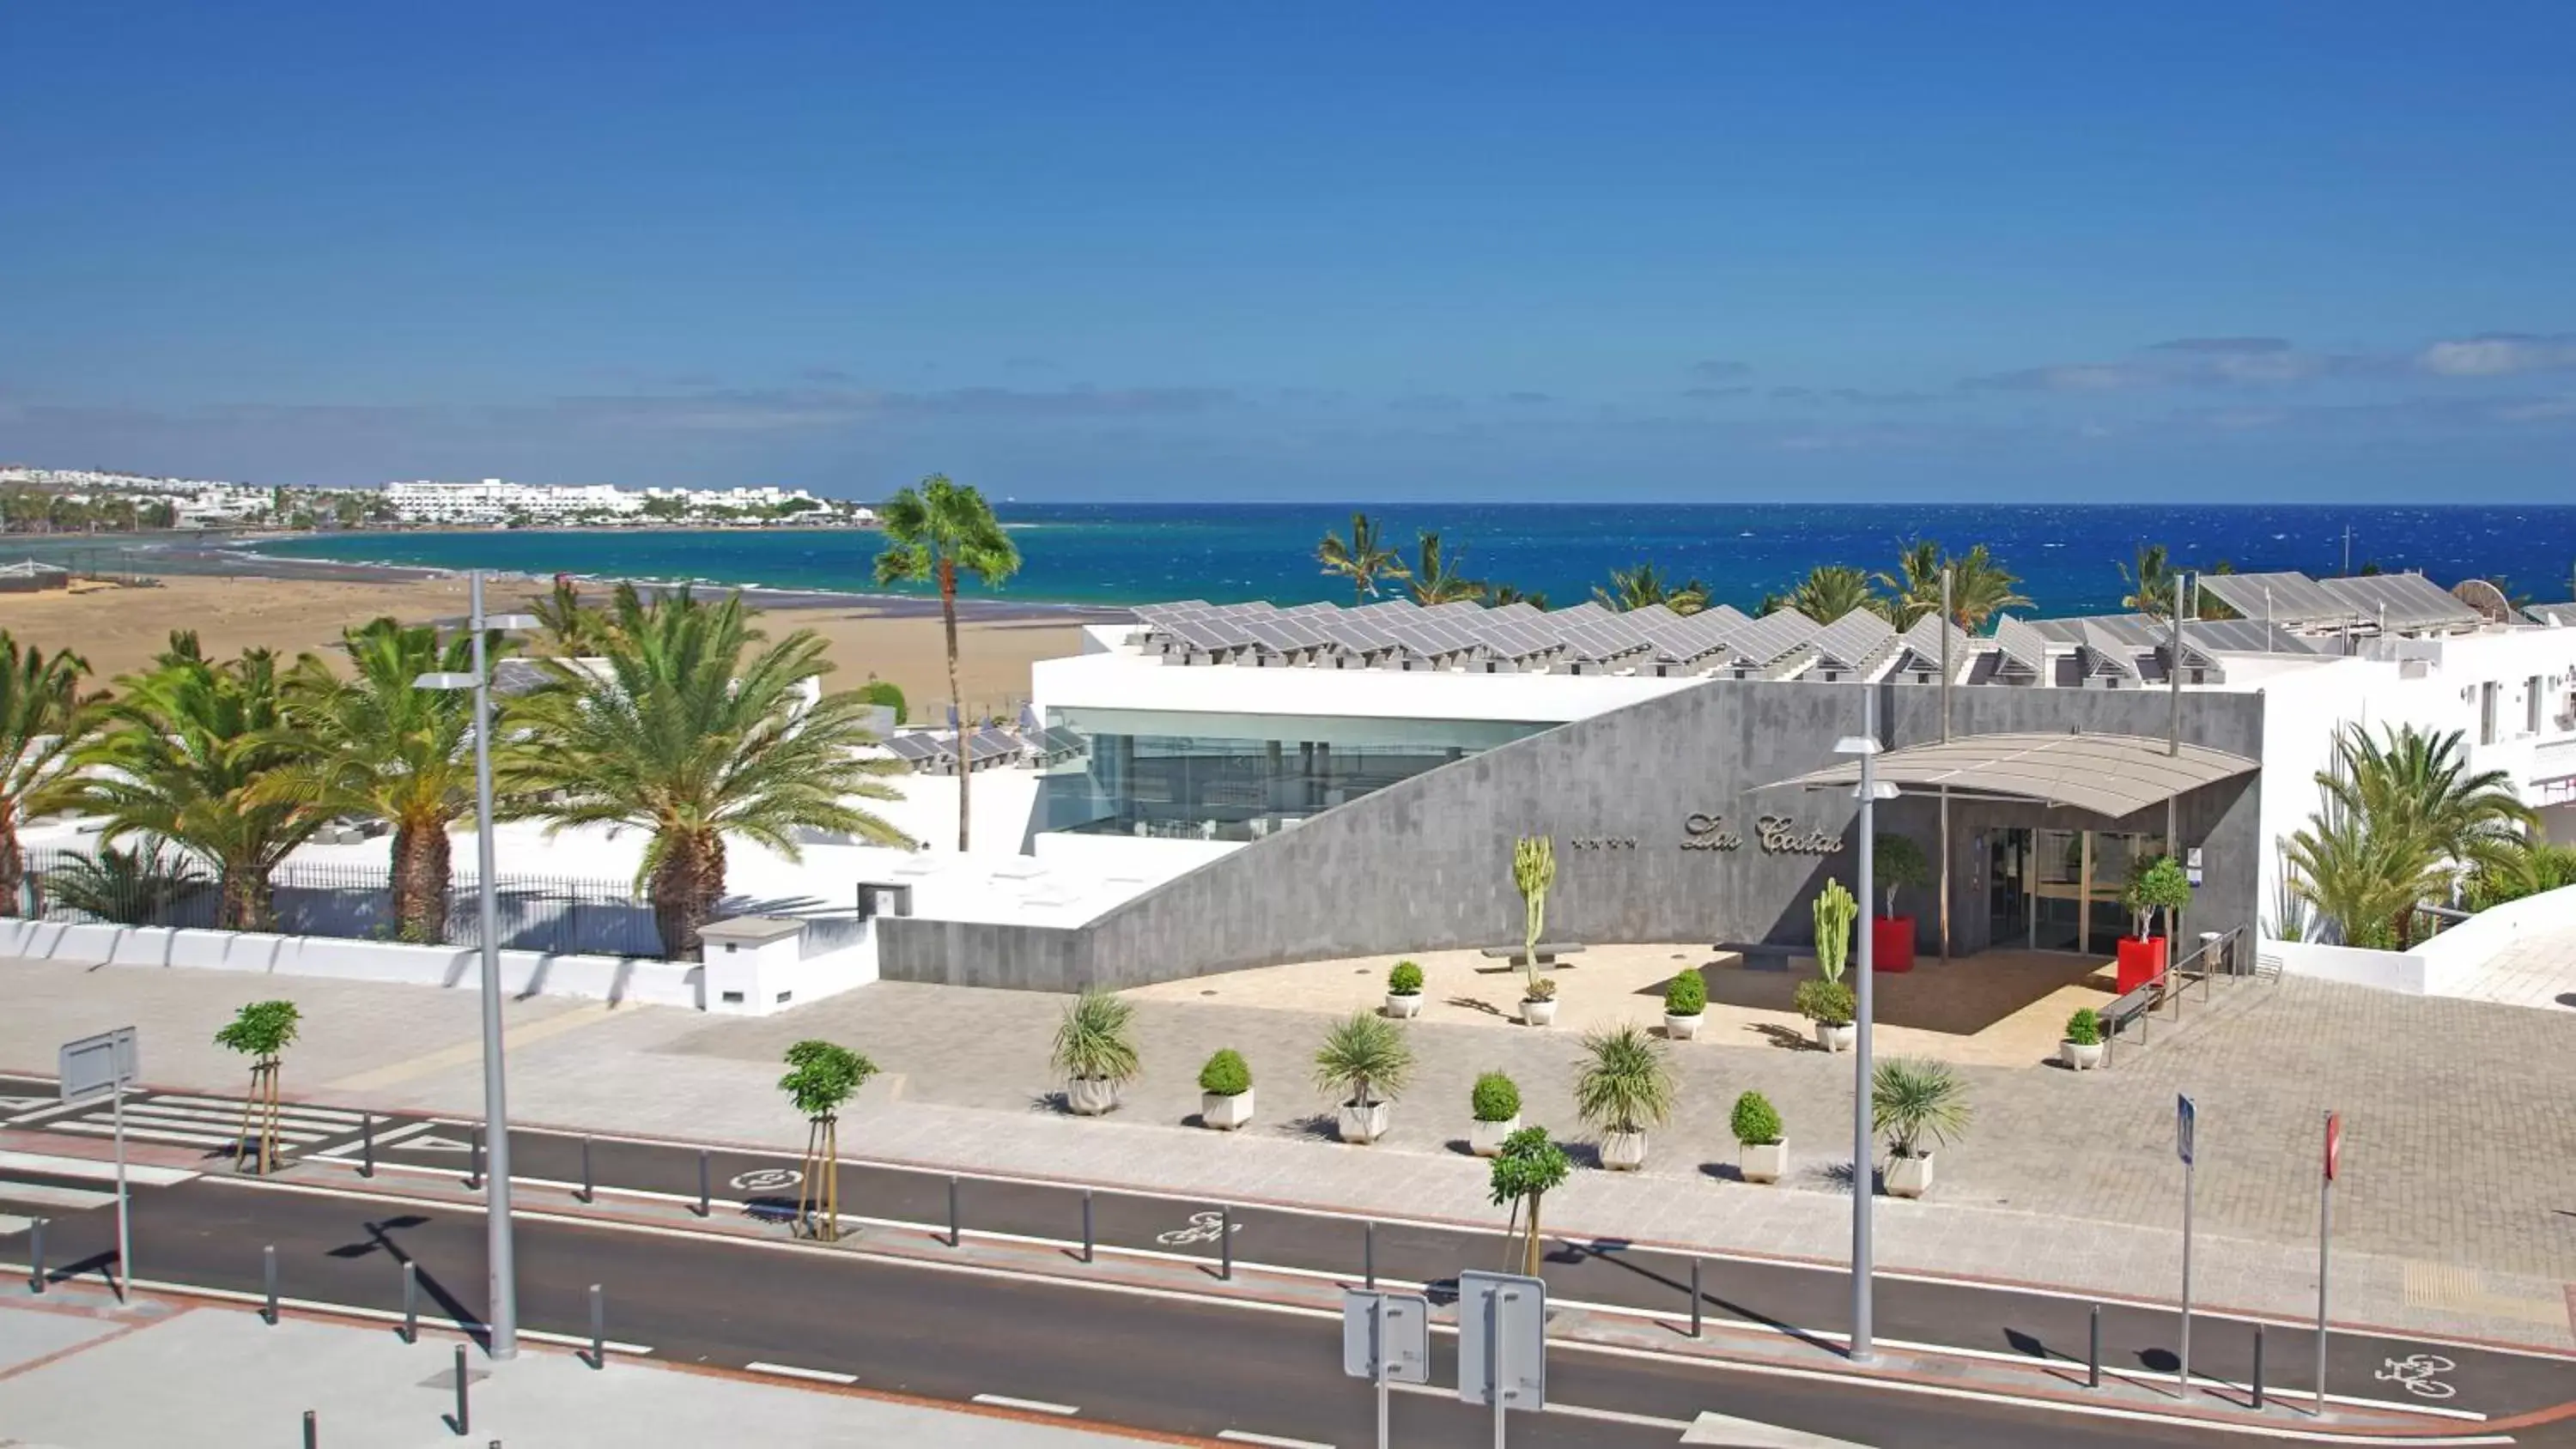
{"x":2111,"y":775}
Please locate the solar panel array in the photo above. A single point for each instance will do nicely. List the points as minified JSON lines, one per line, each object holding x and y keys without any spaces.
{"x":2284,"y":598}
{"x":1458,"y":634}
{"x":1853,"y":642}
{"x":2401,"y":602}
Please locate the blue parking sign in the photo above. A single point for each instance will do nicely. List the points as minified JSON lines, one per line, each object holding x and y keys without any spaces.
{"x":2185,"y":1114}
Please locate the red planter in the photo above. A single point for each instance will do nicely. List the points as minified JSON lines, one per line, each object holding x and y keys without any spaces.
{"x":1891,"y":943}
{"x":2142,"y":959}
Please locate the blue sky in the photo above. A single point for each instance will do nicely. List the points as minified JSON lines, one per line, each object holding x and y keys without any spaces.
{"x":2047,"y":251}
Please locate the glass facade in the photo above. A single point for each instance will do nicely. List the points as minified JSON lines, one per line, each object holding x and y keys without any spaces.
{"x":2061,"y":889}
{"x":1239,"y":776}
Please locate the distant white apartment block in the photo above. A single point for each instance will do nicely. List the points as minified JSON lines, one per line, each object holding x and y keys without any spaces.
{"x":495,"y":500}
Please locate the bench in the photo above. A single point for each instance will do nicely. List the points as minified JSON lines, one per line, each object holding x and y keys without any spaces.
{"x":1548,"y":951}
{"x":1763,"y":956}
{"x":2137,"y":1005}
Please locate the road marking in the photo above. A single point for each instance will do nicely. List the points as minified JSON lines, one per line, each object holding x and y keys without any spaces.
{"x":1205,"y":1227}
{"x":767,"y":1179}
{"x":384,"y":1140}
{"x":90,"y":1170}
{"x":1274,"y":1441}
{"x":324,"y":1114}
{"x":38,"y":1194}
{"x":150,"y":1134}
{"x":1733,"y":1433}
{"x":433,"y":1144}
{"x":1033,"y":1406}
{"x":791,"y":1371}
{"x":191,"y":1116}
{"x":469,"y":1051}
{"x":12,"y":1223}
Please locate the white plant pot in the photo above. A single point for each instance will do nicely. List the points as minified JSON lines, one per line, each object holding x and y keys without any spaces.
{"x":1836,"y":1038}
{"x":1486,"y":1138}
{"x":1681,"y":1028}
{"x":2082,"y":1056}
{"x":1404,"y":1008}
{"x":1538,"y":1013}
{"x":1909,"y":1176}
{"x":1090,"y":1096}
{"x":1225,"y":1113}
{"x":1764,"y":1161}
{"x":1363,"y":1124}
{"x":1623,"y":1151}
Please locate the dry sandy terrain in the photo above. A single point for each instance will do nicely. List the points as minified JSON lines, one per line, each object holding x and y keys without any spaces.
{"x":120,"y":629}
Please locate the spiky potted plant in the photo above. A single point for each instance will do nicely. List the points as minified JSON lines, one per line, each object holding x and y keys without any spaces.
{"x":1685,"y":1001}
{"x":1626,"y":1086}
{"x":1826,"y":1001}
{"x":1364,"y":1062}
{"x":2082,"y":1049}
{"x":1225,"y":1091}
{"x":1919,"y":1103}
{"x":1495,"y":1103}
{"x":1095,"y":1052}
{"x":1762,"y":1151}
{"x":1404,"y":991}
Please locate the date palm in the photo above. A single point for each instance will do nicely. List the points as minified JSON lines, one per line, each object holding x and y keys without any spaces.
{"x":2362,"y":880}
{"x":376,"y":747}
{"x":1363,"y":558}
{"x":1436,"y":576}
{"x":182,"y":756}
{"x":2151,"y":581}
{"x":43,"y":719}
{"x":2408,"y":783}
{"x":1980,"y":588}
{"x":933,"y":533}
{"x":1637,"y":588}
{"x":1830,"y":591}
{"x":694,"y":729}
{"x":1498,"y":595}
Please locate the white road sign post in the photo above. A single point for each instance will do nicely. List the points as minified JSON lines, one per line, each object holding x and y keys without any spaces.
{"x":2186,"y":1120}
{"x":1386,"y":1338}
{"x":1502,"y":1343}
{"x":108,"y":1062}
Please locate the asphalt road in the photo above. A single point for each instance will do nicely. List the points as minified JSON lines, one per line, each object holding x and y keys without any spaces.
{"x":1123,"y":1359}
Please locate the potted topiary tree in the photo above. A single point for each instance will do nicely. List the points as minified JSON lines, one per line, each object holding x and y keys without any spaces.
{"x":1685,"y":999}
{"x":1364,"y":1062}
{"x":261,"y":1031}
{"x":2156,"y":883}
{"x":1626,"y":1087}
{"x":1762,"y":1153}
{"x":1538,"y":1001}
{"x":1404,"y":991}
{"x":1918,"y":1102}
{"x":2082,"y":1048}
{"x":1527,"y":1169}
{"x":1898,"y":863}
{"x":1095,"y":1052}
{"x":821,"y":1078}
{"x":1225,"y":1091}
{"x":1826,"y":1001}
{"x":1495,"y":1102}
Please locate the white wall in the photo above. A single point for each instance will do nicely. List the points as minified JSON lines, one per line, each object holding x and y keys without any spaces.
{"x":1124,"y":679}
{"x":2440,"y":966}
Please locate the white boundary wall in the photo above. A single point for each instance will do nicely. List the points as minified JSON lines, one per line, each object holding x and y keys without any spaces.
{"x":2440,"y":966}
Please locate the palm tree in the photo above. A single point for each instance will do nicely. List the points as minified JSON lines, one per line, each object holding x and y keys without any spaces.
{"x":694,"y":729}
{"x":1637,"y":588}
{"x":43,"y":720}
{"x":2151,"y":581}
{"x":134,"y":887}
{"x":375,"y":746}
{"x":1980,"y":588}
{"x":1916,"y":583}
{"x":1831,"y":591}
{"x":1436,"y":579}
{"x":181,"y":758}
{"x":1363,"y":558}
{"x":2410,"y":784}
{"x":932,"y":532}
{"x":571,"y":628}
{"x":2363,"y":881}
{"x":1497,"y":595}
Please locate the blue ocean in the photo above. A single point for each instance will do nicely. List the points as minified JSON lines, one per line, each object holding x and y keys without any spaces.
{"x":2069,"y":558}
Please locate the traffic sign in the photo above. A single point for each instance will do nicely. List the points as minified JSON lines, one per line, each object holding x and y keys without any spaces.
{"x":1502,"y":1334}
{"x":2334,"y":1144}
{"x":1404,"y":1351}
{"x":97,"y":1064}
{"x":2185,"y":1115}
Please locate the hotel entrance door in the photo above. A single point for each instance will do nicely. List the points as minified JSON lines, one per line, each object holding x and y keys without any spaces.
{"x":2059,"y":890}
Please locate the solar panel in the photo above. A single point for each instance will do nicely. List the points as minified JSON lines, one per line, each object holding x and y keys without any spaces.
{"x":2023,"y":644}
{"x":2403,"y":601}
{"x":2560,"y":615}
{"x":1853,"y":640}
{"x":916,"y":748}
{"x":2109,"y":653}
{"x":1774,"y":637}
{"x":2245,"y":636}
{"x":2283,"y":598}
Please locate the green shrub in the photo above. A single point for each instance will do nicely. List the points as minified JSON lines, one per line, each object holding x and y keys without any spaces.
{"x":1915,"y":1098}
{"x":1627,"y":1085}
{"x":1097,"y":1040}
{"x":1495,"y":1098}
{"x":1404,"y":980}
{"x":886,"y":692}
{"x":1686,"y":995}
{"x":1827,"y":1002}
{"x":1756,"y":1121}
{"x":1365,"y":1060}
{"x":2084,"y":1028}
{"x":1226,"y":1074}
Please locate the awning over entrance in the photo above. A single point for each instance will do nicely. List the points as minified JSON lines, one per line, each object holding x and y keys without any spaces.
{"x":2111,"y":775}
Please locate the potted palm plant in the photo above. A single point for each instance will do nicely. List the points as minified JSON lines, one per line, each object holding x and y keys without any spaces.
{"x":1495,"y":1102}
{"x":1364,"y":1062}
{"x":1897,"y":862}
{"x":1625,"y":1087}
{"x":1404,"y":991}
{"x":1225,"y":1091}
{"x":2156,"y":884}
{"x":2082,"y":1048}
{"x":1762,"y":1153}
{"x":1538,"y":1001}
{"x":1095,"y":1052}
{"x":1685,"y":999}
{"x":1919,"y":1103}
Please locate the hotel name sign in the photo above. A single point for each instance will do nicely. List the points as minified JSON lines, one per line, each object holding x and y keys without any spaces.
{"x":1772,"y":834}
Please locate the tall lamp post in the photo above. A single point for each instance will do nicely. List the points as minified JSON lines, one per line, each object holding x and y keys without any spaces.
{"x":1870,"y":792}
{"x":504,"y":1294}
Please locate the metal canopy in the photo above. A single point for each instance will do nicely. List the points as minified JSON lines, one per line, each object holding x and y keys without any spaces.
{"x":2110,"y":775}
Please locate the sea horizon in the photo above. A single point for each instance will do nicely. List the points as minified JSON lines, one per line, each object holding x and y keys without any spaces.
{"x":2069,"y":557}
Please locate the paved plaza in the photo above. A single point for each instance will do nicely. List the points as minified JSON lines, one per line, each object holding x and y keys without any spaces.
{"x":2537,"y":969}
{"x":2457,"y":1211}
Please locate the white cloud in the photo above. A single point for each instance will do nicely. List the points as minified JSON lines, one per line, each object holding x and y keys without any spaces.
{"x":2499,"y":354}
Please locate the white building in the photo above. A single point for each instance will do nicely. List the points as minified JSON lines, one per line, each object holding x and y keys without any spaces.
{"x":495,"y":500}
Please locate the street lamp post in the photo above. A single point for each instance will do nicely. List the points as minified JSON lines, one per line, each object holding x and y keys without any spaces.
{"x":504,"y":1289}
{"x":1864,"y":745}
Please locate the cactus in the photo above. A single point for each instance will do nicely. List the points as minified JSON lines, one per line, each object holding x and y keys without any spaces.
{"x":1533,"y":871}
{"x":1835,"y":912}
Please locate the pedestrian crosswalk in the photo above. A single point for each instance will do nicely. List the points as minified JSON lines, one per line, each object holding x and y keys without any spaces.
{"x":213,"y":1123}
{"x":40,"y":1185}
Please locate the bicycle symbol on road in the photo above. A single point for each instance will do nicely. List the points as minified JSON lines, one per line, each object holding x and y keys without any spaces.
{"x":2416,"y":1372}
{"x":1204,"y":1227}
{"x":767,"y":1179}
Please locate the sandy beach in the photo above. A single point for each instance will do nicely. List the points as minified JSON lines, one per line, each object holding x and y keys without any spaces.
{"x":120,"y":629}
